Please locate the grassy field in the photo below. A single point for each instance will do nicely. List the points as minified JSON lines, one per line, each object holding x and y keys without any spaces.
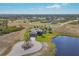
{"x":48,"y":39}
{"x":66,"y":30}
{"x":45,"y":37}
{"x":9,"y":29}
{"x":69,"y":30}
{"x":10,"y":35}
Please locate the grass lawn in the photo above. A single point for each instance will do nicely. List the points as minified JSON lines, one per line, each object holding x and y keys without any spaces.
{"x":48,"y":38}
{"x":9,"y":29}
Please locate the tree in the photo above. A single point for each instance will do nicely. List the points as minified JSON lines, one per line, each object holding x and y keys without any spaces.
{"x":50,"y":30}
{"x":26,"y":36}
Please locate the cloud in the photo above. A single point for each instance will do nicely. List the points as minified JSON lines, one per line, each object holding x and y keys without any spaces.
{"x":54,"y":6}
{"x":58,"y":6}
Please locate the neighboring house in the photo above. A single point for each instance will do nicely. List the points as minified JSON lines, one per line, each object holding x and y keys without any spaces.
{"x":35,"y":32}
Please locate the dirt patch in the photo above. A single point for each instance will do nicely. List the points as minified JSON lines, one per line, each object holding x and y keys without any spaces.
{"x":69,"y":29}
{"x":8,"y":40}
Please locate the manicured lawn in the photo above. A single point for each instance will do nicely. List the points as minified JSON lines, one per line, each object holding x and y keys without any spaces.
{"x":46,"y":37}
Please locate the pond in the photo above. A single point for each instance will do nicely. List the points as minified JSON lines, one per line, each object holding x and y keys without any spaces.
{"x":66,"y":46}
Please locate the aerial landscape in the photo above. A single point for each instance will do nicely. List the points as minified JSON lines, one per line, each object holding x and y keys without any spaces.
{"x":39,"y":29}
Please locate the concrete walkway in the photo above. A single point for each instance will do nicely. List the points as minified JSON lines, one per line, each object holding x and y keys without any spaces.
{"x":17,"y":50}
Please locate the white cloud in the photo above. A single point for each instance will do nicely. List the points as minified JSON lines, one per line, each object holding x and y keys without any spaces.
{"x":54,"y":6}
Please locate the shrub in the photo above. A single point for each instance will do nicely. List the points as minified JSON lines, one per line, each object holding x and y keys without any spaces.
{"x":50,"y":32}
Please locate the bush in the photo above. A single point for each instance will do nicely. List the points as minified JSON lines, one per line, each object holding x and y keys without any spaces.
{"x":50,"y":32}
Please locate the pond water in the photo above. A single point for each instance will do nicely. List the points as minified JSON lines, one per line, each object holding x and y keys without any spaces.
{"x":66,"y":46}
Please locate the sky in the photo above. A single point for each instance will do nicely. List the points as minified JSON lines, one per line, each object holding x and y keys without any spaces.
{"x":39,"y":8}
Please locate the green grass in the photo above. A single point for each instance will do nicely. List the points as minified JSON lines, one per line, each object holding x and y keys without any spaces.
{"x":6,"y":30}
{"x":44,"y":37}
{"x":71,"y":35}
{"x":52,"y":49}
{"x":47,"y":38}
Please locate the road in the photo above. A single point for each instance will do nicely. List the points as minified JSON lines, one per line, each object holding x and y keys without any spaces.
{"x":67,"y":22}
{"x":17,"y":49}
{"x":10,"y":39}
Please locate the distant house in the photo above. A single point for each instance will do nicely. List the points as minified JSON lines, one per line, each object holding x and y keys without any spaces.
{"x":35,"y":32}
{"x":39,"y":32}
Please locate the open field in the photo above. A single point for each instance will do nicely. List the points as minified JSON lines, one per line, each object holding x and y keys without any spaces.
{"x":69,"y":29}
{"x":8,"y":40}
